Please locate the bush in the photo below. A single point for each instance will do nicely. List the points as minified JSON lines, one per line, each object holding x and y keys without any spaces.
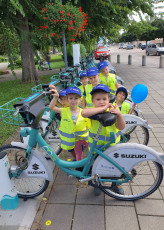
{"x":2,"y":59}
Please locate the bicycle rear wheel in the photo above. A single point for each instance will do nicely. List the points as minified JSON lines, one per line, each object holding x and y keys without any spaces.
{"x":138,"y":134}
{"x":26,"y":187}
{"x":51,"y":134}
{"x":147,"y":177}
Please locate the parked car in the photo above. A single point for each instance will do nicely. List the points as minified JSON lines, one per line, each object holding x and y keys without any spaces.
{"x":101,"y":51}
{"x":129,"y":46}
{"x":143,"y":46}
{"x":121,"y":46}
{"x":124,"y":46}
{"x":154,"y":49}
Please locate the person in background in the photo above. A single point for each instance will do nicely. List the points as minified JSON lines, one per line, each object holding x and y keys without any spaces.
{"x":48,"y":59}
{"x":121,"y":95}
{"x":93,"y":75}
{"x":107,"y":78}
{"x":84,"y":81}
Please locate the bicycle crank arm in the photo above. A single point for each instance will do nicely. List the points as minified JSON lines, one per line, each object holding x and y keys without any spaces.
{"x":87,"y":179}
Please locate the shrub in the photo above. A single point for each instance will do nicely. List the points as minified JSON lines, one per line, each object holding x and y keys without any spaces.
{"x":2,"y":59}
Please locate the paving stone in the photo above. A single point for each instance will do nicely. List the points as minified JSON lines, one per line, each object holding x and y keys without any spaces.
{"x":109,"y":201}
{"x":150,"y":207}
{"x":151,"y":222}
{"x":87,"y":196}
{"x":121,"y":218}
{"x":59,"y":215}
{"x":62,"y":194}
{"x":90,"y":217}
{"x":63,"y":178}
{"x":153,"y":142}
{"x":159,"y":134}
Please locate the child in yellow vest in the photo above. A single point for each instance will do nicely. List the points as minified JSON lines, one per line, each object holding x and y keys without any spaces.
{"x":92,"y":74}
{"x":107,"y":78}
{"x":121,"y":95}
{"x":73,"y":127}
{"x":100,"y":99}
{"x":84,"y":81}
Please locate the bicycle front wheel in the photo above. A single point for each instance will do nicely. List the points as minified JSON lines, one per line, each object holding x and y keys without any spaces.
{"x":26,"y":187}
{"x":138,"y":134}
{"x":50,"y":132}
{"x":147,"y":177}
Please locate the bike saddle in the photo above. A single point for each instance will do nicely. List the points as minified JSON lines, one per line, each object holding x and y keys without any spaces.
{"x":106,"y":119}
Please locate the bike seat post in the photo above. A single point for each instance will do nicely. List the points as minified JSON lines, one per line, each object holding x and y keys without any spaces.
{"x":98,"y":133}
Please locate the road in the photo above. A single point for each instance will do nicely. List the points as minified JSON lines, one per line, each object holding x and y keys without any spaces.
{"x":151,"y":61}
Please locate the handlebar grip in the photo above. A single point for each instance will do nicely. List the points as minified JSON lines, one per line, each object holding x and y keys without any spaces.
{"x":48,"y":93}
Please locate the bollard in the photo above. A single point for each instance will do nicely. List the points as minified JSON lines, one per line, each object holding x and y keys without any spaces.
{"x":161,"y":62}
{"x":118,"y":58}
{"x":143,"y":60}
{"x":109,"y":58}
{"x":129,"y":59}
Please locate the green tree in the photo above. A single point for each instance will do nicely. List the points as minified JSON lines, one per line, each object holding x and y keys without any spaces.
{"x":159,"y":32}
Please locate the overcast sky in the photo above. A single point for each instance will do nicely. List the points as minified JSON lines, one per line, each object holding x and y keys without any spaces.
{"x":161,"y":4}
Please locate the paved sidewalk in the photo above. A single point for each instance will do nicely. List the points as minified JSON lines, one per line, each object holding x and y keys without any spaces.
{"x":8,"y":77}
{"x":72,"y":206}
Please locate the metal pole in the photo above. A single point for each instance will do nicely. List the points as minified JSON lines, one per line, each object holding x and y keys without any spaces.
{"x":64,"y":47}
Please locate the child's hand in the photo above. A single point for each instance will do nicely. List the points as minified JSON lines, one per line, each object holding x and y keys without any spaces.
{"x":114,"y":109}
{"x":54,"y":90}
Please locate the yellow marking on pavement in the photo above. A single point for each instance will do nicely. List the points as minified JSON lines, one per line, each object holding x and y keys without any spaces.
{"x":48,"y":222}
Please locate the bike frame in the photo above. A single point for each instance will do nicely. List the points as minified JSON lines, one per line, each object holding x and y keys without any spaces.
{"x":70,"y":167}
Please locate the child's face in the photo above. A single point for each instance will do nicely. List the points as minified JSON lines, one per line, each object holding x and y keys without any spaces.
{"x":64,"y":101}
{"x":100,"y":99}
{"x":105,"y":71}
{"x":121,"y":96}
{"x":73,"y":100}
{"x":94,"y":79}
{"x":84,"y":80}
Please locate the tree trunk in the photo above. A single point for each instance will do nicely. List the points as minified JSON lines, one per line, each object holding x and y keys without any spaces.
{"x":29,"y":73}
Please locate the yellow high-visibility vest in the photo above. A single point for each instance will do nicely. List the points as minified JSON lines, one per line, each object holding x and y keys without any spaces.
{"x":88,"y":99}
{"x":110,"y":82}
{"x":69,"y":131}
{"x":125,"y":107}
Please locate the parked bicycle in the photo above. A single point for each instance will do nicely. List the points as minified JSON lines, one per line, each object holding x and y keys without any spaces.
{"x":128,"y":165}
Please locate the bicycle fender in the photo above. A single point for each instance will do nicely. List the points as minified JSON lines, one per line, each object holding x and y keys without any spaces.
{"x":19,"y":144}
{"x":38,"y":166}
{"x":132,"y":121}
{"x":127,"y":155}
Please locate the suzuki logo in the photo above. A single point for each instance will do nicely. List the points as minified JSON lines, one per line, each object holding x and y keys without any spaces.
{"x":35,"y":166}
{"x":116,"y":155}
